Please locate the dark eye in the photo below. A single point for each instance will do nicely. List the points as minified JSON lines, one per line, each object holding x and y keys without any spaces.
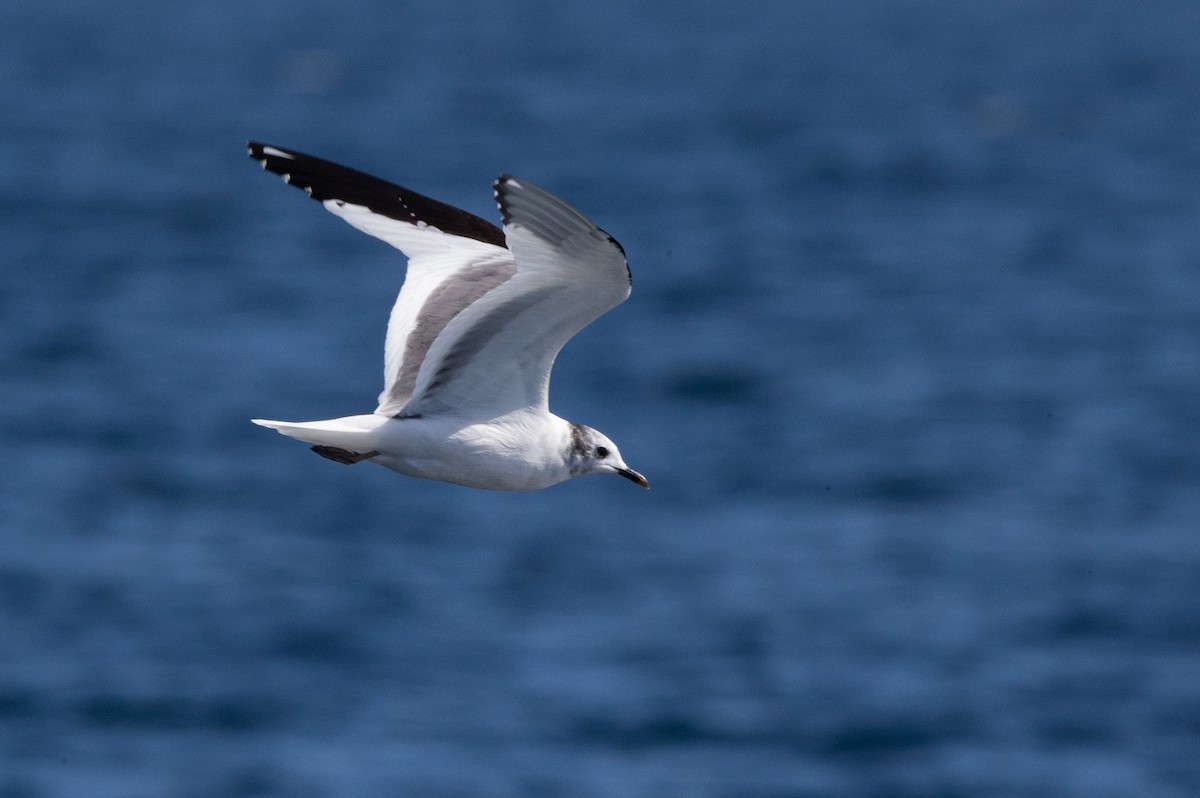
{"x":602,"y":451}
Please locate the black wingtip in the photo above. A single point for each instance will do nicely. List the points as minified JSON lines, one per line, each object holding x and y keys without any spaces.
{"x":550,"y":204}
{"x":325,"y":180}
{"x":499,"y":190}
{"x":256,"y":149}
{"x":272,"y":157}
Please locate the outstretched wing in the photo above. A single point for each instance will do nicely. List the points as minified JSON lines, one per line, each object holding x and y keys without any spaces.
{"x":454,"y":257}
{"x":495,"y":355}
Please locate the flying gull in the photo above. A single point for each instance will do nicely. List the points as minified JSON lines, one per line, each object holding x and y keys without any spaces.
{"x":473,"y":335}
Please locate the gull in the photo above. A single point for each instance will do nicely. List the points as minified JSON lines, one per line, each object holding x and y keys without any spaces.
{"x":471,"y":340}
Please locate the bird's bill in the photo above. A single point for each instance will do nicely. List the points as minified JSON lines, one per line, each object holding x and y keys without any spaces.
{"x":634,"y":476}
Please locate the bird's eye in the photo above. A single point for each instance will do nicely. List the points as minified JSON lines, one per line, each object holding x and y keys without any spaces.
{"x":602,"y":451}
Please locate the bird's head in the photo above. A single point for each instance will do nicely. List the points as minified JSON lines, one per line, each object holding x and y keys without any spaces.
{"x":591,"y":452}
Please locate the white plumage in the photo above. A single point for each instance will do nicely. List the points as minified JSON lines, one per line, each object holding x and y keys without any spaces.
{"x":474,"y":332}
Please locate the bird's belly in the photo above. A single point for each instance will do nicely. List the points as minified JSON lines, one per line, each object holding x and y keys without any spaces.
{"x":469,"y":456}
{"x":472,"y":473}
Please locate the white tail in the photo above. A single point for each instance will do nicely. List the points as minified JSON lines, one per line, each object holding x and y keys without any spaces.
{"x":353,"y":433}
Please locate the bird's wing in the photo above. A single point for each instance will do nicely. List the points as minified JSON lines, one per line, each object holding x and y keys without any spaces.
{"x":494,"y":355}
{"x":454,"y":257}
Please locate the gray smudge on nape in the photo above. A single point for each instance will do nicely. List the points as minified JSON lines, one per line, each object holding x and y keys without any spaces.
{"x":578,"y":448}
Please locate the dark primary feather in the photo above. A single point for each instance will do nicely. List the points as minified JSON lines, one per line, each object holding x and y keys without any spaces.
{"x":546,"y":215}
{"x":324,"y":180}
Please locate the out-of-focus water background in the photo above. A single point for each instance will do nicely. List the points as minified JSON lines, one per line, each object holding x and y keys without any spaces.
{"x":911,"y":362}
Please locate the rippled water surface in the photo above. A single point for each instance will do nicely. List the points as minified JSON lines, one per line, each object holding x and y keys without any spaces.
{"x":911,"y":363}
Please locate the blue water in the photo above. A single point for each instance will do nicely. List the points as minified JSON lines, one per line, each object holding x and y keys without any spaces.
{"x":911,"y":362}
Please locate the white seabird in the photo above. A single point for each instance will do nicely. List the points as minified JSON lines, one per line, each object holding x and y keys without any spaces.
{"x":473,"y":335}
